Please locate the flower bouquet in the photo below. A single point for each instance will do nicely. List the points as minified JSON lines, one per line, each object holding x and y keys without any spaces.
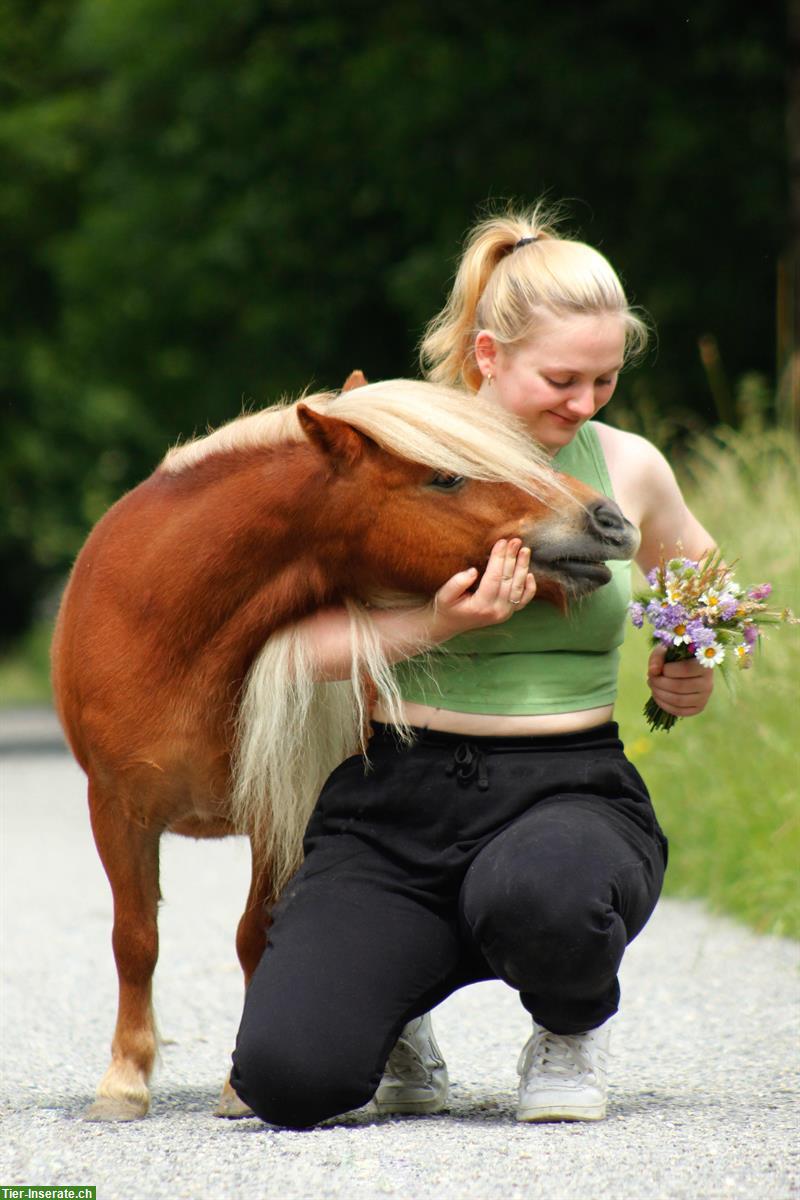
{"x":698,"y":610}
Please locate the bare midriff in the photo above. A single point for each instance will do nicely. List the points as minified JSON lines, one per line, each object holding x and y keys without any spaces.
{"x":444,"y":720}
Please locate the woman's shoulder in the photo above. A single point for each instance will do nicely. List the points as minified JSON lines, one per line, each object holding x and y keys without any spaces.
{"x":622,"y":439}
{"x":629,"y":452}
{"x":641,"y":477}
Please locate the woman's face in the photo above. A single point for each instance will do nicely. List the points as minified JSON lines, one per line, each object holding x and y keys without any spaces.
{"x":560,"y":378}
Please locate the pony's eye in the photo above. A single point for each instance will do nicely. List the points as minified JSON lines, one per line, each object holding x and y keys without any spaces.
{"x":446,"y":483}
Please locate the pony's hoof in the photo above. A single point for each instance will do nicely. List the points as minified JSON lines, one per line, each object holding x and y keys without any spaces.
{"x":107,"y":1109}
{"x":229,"y":1105}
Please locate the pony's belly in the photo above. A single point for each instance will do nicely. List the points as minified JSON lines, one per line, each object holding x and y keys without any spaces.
{"x":202,"y":827}
{"x":176,"y":786}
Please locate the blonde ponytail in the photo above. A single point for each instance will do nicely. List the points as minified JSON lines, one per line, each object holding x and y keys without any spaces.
{"x":514,"y":268}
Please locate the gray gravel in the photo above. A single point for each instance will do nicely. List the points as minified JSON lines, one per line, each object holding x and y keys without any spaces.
{"x":704,"y":1066}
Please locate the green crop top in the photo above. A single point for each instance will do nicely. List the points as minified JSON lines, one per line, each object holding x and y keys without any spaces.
{"x":539,"y":661}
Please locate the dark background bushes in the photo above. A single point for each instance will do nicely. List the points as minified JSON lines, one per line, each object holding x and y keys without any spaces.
{"x":205,"y":206}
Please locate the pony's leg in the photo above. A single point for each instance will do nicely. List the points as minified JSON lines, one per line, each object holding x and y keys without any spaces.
{"x":251,"y":937}
{"x":129,"y":853}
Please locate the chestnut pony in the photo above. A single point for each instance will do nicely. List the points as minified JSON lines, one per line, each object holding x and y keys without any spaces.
{"x":180,"y":678}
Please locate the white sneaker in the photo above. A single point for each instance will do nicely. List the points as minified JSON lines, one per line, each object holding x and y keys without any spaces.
{"x":563,"y":1076}
{"x":415,"y":1077}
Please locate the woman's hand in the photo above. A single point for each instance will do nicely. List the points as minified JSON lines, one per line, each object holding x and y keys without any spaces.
{"x":506,"y":586}
{"x":680,"y":688}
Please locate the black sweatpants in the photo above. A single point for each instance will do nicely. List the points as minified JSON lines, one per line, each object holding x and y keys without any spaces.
{"x":532,"y":860}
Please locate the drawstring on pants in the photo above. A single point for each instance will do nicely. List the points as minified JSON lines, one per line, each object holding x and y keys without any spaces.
{"x":469,"y":762}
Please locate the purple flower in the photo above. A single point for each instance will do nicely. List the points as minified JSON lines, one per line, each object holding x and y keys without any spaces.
{"x":652,"y":577}
{"x":727,"y":608}
{"x":637,"y":614}
{"x":653,"y":611}
{"x":750,"y":635}
{"x":700,"y":634}
{"x":659,"y":613}
{"x":760,"y":592}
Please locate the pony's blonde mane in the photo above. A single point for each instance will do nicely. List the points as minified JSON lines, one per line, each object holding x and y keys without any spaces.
{"x":441,"y":427}
{"x":272,"y":425}
{"x":292,"y":730}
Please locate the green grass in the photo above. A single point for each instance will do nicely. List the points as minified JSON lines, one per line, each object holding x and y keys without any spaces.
{"x":25,"y":669}
{"x":724,"y":783}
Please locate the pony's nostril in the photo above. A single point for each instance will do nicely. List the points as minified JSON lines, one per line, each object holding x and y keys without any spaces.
{"x":606,"y":517}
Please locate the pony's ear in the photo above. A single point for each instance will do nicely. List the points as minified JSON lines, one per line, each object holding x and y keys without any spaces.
{"x":355,"y":379}
{"x":336,"y":439}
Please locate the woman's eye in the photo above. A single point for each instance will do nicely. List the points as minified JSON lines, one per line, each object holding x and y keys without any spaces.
{"x":447,"y":482}
{"x":560,"y":383}
{"x":605,"y":382}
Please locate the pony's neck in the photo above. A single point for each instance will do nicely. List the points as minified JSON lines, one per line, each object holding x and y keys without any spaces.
{"x":248,"y":523}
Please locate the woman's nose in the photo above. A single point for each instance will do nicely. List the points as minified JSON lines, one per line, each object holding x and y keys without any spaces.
{"x":582,"y":403}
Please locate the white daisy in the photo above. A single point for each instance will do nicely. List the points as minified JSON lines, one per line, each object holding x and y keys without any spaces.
{"x":710,"y":656}
{"x":680,"y":634}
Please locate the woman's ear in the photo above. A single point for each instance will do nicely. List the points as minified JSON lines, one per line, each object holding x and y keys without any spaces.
{"x":486,"y":352}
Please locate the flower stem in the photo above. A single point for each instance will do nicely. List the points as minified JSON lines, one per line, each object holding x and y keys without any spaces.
{"x":657,"y":718}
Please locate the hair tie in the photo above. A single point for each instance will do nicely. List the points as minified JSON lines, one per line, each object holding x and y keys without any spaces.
{"x":524,"y":242}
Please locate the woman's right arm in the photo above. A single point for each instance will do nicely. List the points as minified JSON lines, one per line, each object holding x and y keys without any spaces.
{"x":454,"y":609}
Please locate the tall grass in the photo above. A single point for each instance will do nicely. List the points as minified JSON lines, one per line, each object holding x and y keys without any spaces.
{"x":725,"y":783}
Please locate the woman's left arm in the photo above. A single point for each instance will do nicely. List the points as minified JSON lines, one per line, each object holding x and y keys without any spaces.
{"x":668,"y":528}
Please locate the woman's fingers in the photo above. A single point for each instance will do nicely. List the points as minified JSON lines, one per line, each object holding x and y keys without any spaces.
{"x":506,"y":584}
{"x":682,"y":688}
{"x":655,"y":663}
{"x":499,"y":566}
{"x":519,"y":579}
{"x":530,"y":589}
{"x":513,"y":551}
{"x":455,"y":588}
{"x":504,"y":570}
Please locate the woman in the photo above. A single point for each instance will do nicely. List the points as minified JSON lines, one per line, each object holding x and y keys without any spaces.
{"x":512,"y":839}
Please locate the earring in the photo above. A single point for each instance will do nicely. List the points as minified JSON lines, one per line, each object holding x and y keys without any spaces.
{"x":489,"y":378}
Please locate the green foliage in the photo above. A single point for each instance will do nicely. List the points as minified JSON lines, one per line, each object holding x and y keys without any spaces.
{"x":725,"y":783}
{"x":200,"y":208}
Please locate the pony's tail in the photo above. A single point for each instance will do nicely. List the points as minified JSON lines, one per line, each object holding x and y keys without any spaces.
{"x":291,"y":733}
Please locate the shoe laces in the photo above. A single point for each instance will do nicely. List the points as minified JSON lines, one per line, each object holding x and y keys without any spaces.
{"x":407,"y":1063}
{"x":561,"y":1055}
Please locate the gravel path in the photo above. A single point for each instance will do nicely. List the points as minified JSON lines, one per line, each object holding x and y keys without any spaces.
{"x":704,"y":1064}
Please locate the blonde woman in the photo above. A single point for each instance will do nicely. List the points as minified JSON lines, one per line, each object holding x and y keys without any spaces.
{"x":511,"y":839}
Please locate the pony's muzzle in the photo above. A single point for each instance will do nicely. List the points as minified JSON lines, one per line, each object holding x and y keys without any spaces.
{"x":605,"y":520}
{"x":576,"y":557}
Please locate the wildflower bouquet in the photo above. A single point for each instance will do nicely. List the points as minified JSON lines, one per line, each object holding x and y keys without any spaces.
{"x":698,"y":610}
